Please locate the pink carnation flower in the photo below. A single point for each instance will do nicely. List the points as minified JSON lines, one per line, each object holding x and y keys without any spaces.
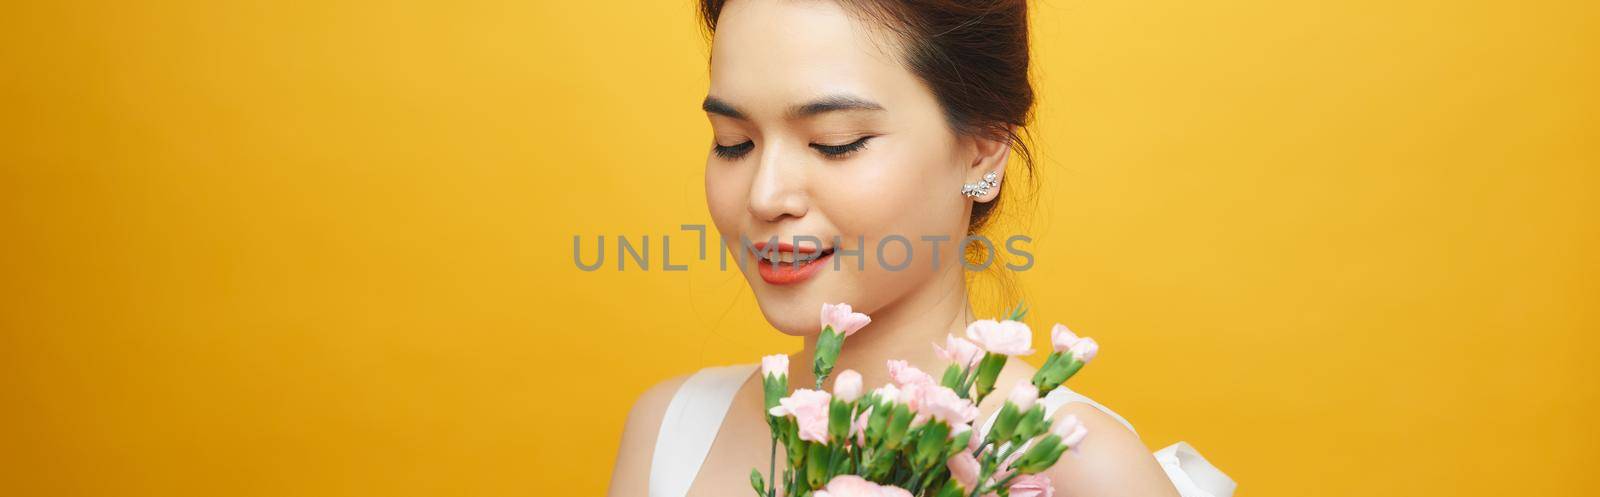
{"x":1034,"y":485}
{"x":810,"y":411}
{"x":959,"y":350}
{"x":905,"y":374}
{"x":943,"y":404}
{"x":1064,"y":340}
{"x":855,"y":486}
{"x":912,"y":394}
{"x":1001,"y":337}
{"x":964,"y":469}
{"x":842,"y":320}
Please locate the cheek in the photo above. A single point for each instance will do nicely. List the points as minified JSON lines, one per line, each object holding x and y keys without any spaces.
{"x":725,"y":195}
{"x":910,"y":188}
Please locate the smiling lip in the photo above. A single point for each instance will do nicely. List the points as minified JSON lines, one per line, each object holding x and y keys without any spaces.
{"x":789,"y":273}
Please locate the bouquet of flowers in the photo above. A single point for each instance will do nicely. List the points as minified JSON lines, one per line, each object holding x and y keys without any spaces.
{"x":915,"y":435}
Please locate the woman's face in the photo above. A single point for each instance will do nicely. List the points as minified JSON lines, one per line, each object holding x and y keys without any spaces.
{"x":821,"y":131}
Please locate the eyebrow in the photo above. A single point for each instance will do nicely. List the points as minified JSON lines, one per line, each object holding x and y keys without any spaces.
{"x":831,"y":103}
{"x":714,"y":105}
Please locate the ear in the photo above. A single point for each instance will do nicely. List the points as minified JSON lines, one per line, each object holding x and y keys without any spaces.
{"x":990,"y":155}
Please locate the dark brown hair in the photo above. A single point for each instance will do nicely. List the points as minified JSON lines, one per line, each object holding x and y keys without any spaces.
{"x":972,"y":54}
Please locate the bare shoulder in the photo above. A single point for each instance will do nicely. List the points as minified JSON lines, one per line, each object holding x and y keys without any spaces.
{"x":652,"y":404}
{"x":631,"y":473}
{"x":1110,"y":461}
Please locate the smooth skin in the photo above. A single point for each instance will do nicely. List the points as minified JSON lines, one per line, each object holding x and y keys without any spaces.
{"x":820,"y":130}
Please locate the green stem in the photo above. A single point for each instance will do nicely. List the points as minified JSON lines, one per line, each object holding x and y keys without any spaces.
{"x":772,"y":468}
{"x":1003,"y":482}
{"x":923,"y":485}
{"x":1001,"y":454}
{"x":982,"y":477}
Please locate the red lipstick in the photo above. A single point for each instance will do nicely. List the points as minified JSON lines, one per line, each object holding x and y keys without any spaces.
{"x":807,"y":262}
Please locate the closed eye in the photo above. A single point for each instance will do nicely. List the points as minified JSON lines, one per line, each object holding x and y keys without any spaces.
{"x":731,"y":152}
{"x":840,"y":151}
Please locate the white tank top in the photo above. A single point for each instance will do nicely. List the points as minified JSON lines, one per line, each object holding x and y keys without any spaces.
{"x":696,"y":411}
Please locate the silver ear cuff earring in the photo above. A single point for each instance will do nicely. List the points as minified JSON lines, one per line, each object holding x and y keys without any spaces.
{"x":981,"y":188}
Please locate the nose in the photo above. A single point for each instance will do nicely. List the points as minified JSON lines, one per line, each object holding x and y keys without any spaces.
{"x":779,"y":188}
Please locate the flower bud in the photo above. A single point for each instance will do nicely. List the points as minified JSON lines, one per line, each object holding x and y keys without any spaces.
{"x":1023,"y":395}
{"x":964,"y":469}
{"x":1085,"y":349}
{"x":1070,"y":430}
{"x":888,"y":393}
{"x":777,"y":364}
{"x":1037,"y":485}
{"x":1062,"y":338}
{"x":847,"y":387}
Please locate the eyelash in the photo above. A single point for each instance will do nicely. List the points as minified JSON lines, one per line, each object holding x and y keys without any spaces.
{"x":732,"y":152}
{"x":840,"y":151}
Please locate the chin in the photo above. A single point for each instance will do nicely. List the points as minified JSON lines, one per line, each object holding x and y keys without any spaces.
{"x":791,"y":315}
{"x":796,"y":310}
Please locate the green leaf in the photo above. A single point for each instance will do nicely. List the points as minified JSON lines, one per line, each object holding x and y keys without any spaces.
{"x":1017,"y":312}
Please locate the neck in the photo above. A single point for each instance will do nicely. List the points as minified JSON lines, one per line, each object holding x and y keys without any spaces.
{"x":905,"y":329}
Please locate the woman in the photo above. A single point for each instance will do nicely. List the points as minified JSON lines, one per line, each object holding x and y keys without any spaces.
{"x":847,"y":123}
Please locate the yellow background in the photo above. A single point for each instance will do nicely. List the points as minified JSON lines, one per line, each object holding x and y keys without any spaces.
{"x":324,"y":248}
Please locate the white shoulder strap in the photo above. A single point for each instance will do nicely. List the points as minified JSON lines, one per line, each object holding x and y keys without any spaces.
{"x":1192,"y":474}
{"x":690,"y":425}
{"x":1062,"y":396}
